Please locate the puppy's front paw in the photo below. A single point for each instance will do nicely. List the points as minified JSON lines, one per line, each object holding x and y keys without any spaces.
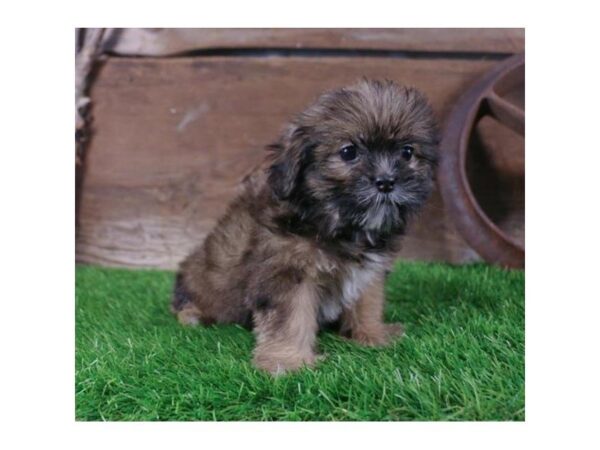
{"x":281,"y":364}
{"x":379,"y":336}
{"x":394,"y":330}
{"x":370,"y":338}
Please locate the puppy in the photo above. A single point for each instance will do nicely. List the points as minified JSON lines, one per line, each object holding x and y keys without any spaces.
{"x":307,"y":242}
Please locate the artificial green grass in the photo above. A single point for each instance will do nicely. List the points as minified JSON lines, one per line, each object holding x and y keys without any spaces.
{"x":462,"y":357}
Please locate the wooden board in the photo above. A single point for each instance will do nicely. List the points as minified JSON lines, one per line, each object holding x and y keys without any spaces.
{"x":172,"y":137}
{"x":168,"y":41}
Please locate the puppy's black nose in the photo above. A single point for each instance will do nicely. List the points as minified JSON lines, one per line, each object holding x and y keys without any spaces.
{"x":385,"y":184}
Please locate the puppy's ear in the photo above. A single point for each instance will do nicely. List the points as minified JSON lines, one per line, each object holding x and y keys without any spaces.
{"x":290,"y":155}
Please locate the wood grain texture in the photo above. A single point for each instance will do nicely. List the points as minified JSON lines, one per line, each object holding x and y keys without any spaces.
{"x":172,"y":138}
{"x":495,"y":169}
{"x":168,"y":41}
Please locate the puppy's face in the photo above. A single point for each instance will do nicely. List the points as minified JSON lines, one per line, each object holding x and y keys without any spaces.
{"x":361,"y":157}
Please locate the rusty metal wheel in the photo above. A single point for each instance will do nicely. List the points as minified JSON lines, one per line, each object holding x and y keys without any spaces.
{"x":488,"y":97}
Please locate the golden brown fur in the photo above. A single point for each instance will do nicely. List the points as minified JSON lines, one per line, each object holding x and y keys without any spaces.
{"x":309,"y":238}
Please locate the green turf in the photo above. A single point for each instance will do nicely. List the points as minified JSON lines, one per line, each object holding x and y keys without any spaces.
{"x":462,"y":357}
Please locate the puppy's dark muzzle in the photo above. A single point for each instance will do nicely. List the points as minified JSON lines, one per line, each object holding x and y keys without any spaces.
{"x":385,"y":184}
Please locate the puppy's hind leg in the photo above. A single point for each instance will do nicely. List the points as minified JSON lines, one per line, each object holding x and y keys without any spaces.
{"x":182,"y":305}
{"x":286,"y":329}
{"x":189,"y":316}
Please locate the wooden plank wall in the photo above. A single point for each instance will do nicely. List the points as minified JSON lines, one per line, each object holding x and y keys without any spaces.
{"x":170,"y":41}
{"x":174,"y":134}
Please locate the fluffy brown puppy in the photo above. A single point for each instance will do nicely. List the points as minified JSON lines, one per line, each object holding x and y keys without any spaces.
{"x":308,"y":240}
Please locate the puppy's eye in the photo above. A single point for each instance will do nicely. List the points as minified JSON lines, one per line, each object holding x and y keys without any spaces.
{"x":407,"y":152}
{"x":348,"y":153}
